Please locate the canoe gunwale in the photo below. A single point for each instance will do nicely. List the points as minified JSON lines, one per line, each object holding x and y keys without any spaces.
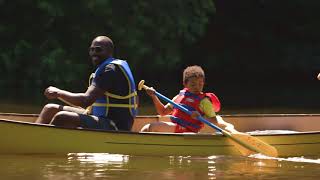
{"x":105,"y":131}
{"x":147,"y":133}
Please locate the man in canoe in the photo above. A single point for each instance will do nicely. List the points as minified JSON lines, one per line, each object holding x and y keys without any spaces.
{"x":109,"y":103}
{"x":192,"y":98}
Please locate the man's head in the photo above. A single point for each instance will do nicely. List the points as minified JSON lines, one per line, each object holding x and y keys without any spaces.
{"x":193,"y":78}
{"x":101,"y":48}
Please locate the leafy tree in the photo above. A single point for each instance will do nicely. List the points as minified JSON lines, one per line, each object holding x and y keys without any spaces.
{"x":45,"y":42}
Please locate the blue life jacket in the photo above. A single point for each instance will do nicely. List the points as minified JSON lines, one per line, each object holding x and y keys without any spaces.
{"x":101,"y":106}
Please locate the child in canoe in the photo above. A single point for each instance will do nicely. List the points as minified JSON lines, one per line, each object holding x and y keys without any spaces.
{"x":192,"y":98}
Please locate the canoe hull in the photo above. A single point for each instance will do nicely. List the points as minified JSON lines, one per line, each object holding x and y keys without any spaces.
{"x":34,"y":138}
{"x":17,"y":137}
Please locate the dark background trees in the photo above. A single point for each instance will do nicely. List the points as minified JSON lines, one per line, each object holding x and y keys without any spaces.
{"x":256,"y":53}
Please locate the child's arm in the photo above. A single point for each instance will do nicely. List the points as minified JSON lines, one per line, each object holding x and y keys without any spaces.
{"x":207,"y":107}
{"x":217,"y":120}
{"x":210,"y":114}
{"x":225,"y":125}
{"x":161,"y":109}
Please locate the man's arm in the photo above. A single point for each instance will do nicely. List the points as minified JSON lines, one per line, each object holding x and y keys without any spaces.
{"x":78,"y":99}
{"x":95,"y":90}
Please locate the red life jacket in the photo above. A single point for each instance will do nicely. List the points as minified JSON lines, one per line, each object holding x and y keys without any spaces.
{"x":191,"y":102}
{"x":215,"y":101}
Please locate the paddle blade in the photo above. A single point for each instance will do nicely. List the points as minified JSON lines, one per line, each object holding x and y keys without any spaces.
{"x":243,"y":150}
{"x":248,"y":145}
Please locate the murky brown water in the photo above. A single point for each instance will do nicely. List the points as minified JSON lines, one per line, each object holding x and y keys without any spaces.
{"x":112,"y":166}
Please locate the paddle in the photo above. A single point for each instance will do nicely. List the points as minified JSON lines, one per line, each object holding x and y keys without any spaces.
{"x":245,"y":143}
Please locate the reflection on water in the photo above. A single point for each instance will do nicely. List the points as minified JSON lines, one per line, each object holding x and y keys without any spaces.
{"x":88,"y":165}
{"x":291,"y":159}
{"x":265,"y":132}
{"x":100,"y":163}
{"x":99,"y":158}
{"x":115,"y":166}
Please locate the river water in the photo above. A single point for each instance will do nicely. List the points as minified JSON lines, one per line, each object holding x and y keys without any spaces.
{"x":86,"y":166}
{"x":115,"y":166}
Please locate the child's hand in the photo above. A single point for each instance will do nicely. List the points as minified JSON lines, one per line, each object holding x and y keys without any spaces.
{"x":150,"y":91}
{"x":195,"y":114}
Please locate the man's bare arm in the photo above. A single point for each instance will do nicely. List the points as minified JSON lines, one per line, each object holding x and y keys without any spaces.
{"x":77,"y":99}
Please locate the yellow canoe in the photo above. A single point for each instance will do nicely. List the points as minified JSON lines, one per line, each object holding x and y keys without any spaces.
{"x":19,"y":135}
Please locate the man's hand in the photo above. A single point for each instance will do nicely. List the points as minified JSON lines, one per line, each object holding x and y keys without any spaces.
{"x":318,"y":76}
{"x":51,"y":92}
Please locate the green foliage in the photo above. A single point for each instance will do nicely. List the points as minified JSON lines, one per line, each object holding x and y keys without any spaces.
{"x":45,"y":42}
{"x":161,"y":29}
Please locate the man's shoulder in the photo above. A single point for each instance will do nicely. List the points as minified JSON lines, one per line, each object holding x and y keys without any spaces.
{"x":108,"y":71}
{"x":111,"y":71}
{"x":110,"y":68}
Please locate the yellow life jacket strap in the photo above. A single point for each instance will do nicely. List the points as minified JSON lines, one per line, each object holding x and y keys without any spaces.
{"x":121,"y":97}
{"x":90,"y":78}
{"x":116,"y":105}
{"x":88,"y":110}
